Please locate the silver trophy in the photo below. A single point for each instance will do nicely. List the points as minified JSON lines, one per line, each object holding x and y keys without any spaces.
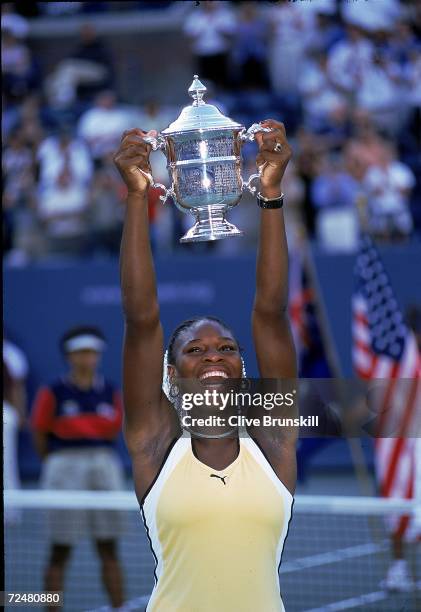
{"x":203,"y":151}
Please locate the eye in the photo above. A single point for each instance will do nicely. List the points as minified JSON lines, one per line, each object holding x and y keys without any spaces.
{"x":194,"y":349}
{"x":228,"y":348}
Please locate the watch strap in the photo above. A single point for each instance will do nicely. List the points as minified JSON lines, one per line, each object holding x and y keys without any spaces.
{"x":270,"y":203}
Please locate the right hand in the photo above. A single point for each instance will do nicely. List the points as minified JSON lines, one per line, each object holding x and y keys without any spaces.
{"x":132,"y":157}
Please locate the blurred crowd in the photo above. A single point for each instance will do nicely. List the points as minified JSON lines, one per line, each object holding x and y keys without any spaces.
{"x":344,"y":77}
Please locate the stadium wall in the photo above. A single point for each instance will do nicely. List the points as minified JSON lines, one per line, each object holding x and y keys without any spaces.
{"x":41,"y":301}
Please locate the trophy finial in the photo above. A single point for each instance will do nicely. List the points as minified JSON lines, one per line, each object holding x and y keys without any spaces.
{"x":197,"y":91}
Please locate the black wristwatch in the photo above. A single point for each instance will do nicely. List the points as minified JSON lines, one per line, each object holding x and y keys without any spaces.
{"x":270,"y":202}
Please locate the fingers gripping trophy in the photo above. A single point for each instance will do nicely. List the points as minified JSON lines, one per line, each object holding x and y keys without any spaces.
{"x":203,"y":151}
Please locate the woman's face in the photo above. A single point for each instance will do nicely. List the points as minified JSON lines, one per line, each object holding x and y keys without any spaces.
{"x":208,"y":352}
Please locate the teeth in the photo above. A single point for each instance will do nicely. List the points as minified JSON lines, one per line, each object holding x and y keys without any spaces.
{"x":214,"y":373}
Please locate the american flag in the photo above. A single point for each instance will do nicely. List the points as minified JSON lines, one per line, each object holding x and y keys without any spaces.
{"x":303,"y":314}
{"x":301,"y":305}
{"x":384,"y":348}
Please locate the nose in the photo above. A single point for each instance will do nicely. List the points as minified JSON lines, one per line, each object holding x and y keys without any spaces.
{"x":213,"y":356}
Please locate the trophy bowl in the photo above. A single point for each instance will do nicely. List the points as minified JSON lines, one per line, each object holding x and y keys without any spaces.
{"x":203,"y":151}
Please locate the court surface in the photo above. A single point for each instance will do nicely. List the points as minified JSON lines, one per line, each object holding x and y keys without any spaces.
{"x":331,"y":562}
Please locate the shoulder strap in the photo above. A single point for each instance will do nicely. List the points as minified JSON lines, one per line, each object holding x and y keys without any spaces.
{"x":260,"y":457}
{"x":174,"y":453}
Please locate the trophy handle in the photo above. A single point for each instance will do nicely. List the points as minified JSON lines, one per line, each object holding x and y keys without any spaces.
{"x":250,"y":133}
{"x":156,"y":144}
{"x":248,"y":184}
{"x":249,"y":136}
{"x":167,"y":192}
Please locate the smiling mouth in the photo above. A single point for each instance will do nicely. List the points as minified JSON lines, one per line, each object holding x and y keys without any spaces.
{"x":213,"y":376}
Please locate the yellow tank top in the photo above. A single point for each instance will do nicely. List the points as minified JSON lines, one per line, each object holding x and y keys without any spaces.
{"x":217,"y":535}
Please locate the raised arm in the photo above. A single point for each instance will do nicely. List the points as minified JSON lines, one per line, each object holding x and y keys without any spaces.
{"x":272,"y":336}
{"x":271,"y":330}
{"x":149,"y":417}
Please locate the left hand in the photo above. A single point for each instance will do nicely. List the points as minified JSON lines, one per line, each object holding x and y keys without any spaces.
{"x":274,"y":162}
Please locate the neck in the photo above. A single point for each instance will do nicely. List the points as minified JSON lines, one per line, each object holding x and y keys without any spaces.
{"x":203,"y":445}
{"x":82,"y":378}
{"x":216,"y":454}
{"x":210,"y":442}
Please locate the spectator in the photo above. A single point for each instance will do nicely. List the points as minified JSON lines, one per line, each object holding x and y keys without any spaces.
{"x":414,"y":14}
{"x":410,"y":135}
{"x":64,"y":150}
{"x":294,"y":221}
{"x":382,"y":93}
{"x":11,"y":21}
{"x":336,"y":131}
{"x":372,"y":17}
{"x":63,"y":193}
{"x":101,"y":126}
{"x":328,"y":30}
{"x":76,"y":421}
{"x":17,"y":367}
{"x":62,"y":212}
{"x":15,"y":371}
{"x":388,"y":186}
{"x":91,"y":48}
{"x":106,"y":209}
{"x":17,"y":67}
{"x":310,"y":148}
{"x":414,"y":77}
{"x":320,"y":97}
{"x":249,"y":53}
{"x":154,"y":116}
{"x":292,"y":29}
{"x":365,"y":148}
{"x":11,"y":478}
{"x":413,"y":320}
{"x":10,"y":117}
{"x":18,"y":184}
{"x":86,"y":72}
{"x":401,"y":574}
{"x":31,"y":121}
{"x":348,"y":60}
{"x":210,"y":27}
{"x":334,"y":193}
{"x":402,"y":43}
{"x":334,"y":187}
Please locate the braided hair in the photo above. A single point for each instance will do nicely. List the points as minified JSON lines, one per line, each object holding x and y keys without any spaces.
{"x":186,"y":325}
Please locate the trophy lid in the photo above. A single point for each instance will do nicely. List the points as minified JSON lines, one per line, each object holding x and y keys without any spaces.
{"x":199,"y":115}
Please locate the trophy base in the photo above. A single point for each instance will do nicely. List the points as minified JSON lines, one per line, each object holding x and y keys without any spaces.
{"x":210,"y":225}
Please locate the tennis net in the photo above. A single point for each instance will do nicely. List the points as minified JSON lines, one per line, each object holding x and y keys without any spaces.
{"x":336,"y":555}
